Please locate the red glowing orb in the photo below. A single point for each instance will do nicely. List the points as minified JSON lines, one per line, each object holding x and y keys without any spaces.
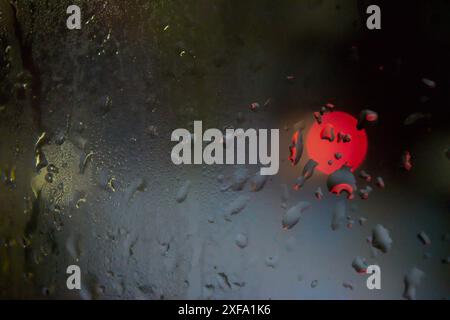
{"x":322,"y":150}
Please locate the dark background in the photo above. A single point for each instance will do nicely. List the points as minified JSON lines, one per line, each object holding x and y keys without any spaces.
{"x":120,"y":96}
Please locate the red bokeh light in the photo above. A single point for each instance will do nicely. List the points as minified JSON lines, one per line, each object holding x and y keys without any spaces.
{"x":353,"y":152}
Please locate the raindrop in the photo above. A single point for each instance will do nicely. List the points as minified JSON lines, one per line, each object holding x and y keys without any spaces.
{"x":347,"y":285}
{"x":241,"y":240}
{"x":258,"y":181}
{"x":412,"y":281}
{"x":424,"y":238}
{"x":381,"y":238}
{"x":239,"y":178}
{"x":49,"y":177}
{"x":272,"y":261}
{"x":235,"y":206}
{"x":360,"y":265}
{"x":339,"y":215}
{"x":293,"y":215}
{"x":183,"y":191}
